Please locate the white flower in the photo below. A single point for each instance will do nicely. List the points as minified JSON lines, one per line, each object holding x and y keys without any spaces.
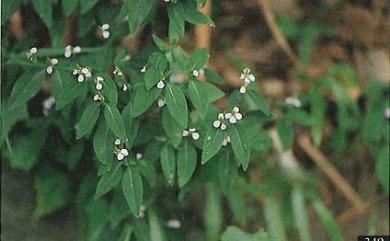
{"x":185,"y":133}
{"x":238,"y":116}
{"x":120,"y":156}
{"x":143,"y":70}
{"x":124,"y":88}
{"x":223,"y":127}
{"x":106,"y":34}
{"x":97,"y":97}
{"x":201,"y":72}
{"x":33,"y":50}
{"x":99,"y":86}
{"x":138,"y":156}
{"x":84,"y":70}
{"x":232,"y":120}
{"x":236,"y":109}
{"x":217,"y":124}
{"x":160,"y":85}
{"x":53,"y":61}
{"x":174,"y":224}
{"x":99,"y":79}
{"x":77,"y":49}
{"x":68,"y":51}
{"x":195,"y":73}
{"x":242,"y":89}
{"x":80,"y":78}
{"x":49,"y":69}
{"x":228,"y":115}
{"x":141,"y":212}
{"x":195,"y":136}
{"x":251,"y":78}
{"x":105,"y":26}
{"x":226,"y":141}
{"x":293,"y":101}
{"x":220,"y":116}
{"x":75,"y":71}
{"x":117,"y":141}
{"x":160,"y":103}
{"x":124,"y":151}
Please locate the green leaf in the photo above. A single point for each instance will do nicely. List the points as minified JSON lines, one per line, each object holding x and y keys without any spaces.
{"x":171,"y":128}
{"x":114,"y":120}
{"x":132,"y":189}
{"x":64,"y":88}
{"x":143,"y":100}
{"x":26,"y":87}
{"x":212,"y":143}
{"x":254,"y":101}
{"x":176,"y":104}
{"x":233,"y":233}
{"x":69,"y":6}
{"x":327,"y":219}
{"x":110,"y":90}
{"x":240,"y":145}
{"x":86,"y":5}
{"x":213,"y":76}
{"x":382,"y":167}
{"x":159,"y":43}
{"x":131,"y":124}
{"x":26,"y":150}
{"x":317,"y":111}
{"x":155,"y":71}
{"x":52,"y":188}
{"x":138,"y":10}
{"x":285,"y":132}
{"x":300,"y":213}
{"x":213,"y":212}
{"x":103,"y":143}
{"x":88,"y":119}
{"x":226,"y":170}
{"x":197,"y":59}
{"x":44,"y":10}
{"x":198,"y":97}
{"x":212,"y":92}
{"x":109,"y":180}
{"x":274,"y":219}
{"x":168,"y":163}
{"x":176,"y":21}
{"x":194,"y":16}
{"x":186,"y":162}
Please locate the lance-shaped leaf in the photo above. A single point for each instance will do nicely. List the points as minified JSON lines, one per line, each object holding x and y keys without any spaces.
{"x":109,"y":180}
{"x":197,"y":59}
{"x":212,"y":143}
{"x":25,"y":87}
{"x":155,"y":71}
{"x":132,"y":189}
{"x":186,"y":162}
{"x":131,"y":124}
{"x":171,"y":128}
{"x":138,"y":10}
{"x":86,"y":5}
{"x":43,"y":8}
{"x":103,"y":143}
{"x":176,"y":21}
{"x":198,"y":97}
{"x":168,"y":163}
{"x":88,"y":119}
{"x":114,"y":120}
{"x":177,"y":104}
{"x":143,"y":100}
{"x":240,"y":145}
{"x":226,"y":169}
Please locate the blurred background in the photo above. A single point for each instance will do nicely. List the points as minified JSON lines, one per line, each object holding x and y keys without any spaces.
{"x":290,"y":45}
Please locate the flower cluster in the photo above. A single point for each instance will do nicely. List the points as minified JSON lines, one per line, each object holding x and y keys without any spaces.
{"x":69,"y":50}
{"x":82,"y":73}
{"x":191,"y":132}
{"x":98,"y":86}
{"x":293,"y":101}
{"x":104,"y":30}
{"x":226,"y":141}
{"x":248,"y":78}
{"x":120,"y":152}
{"x":49,"y":69}
{"x":231,"y":117}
